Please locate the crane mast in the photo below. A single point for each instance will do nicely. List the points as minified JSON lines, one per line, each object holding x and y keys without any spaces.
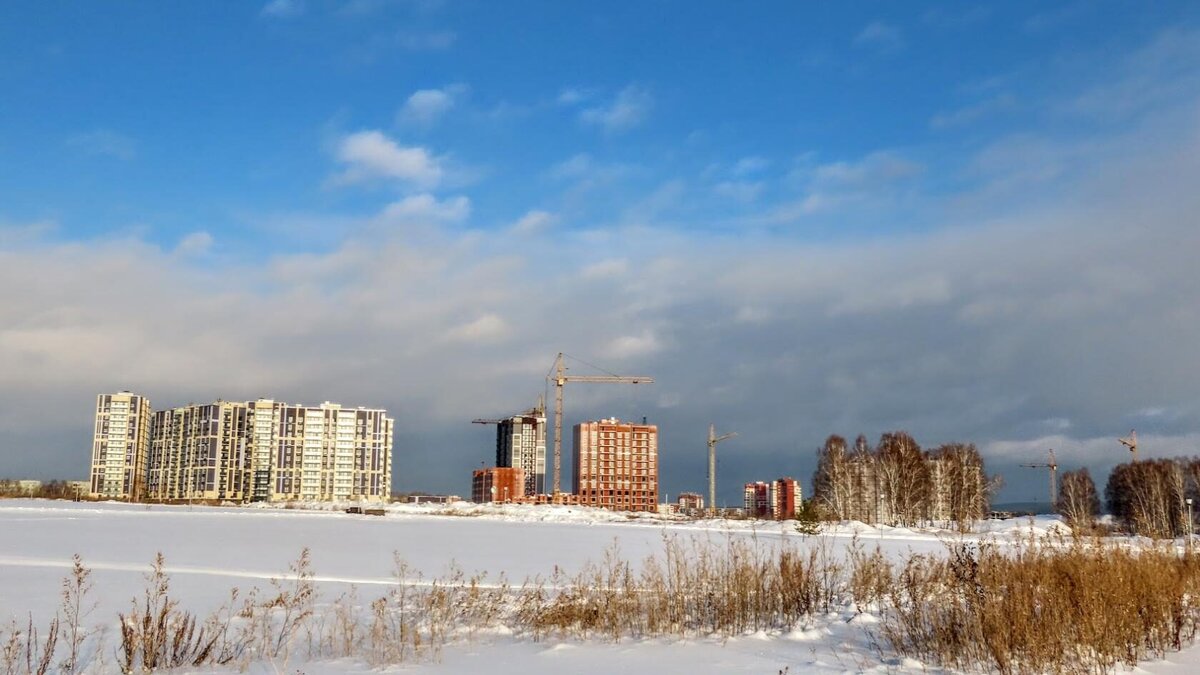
{"x":560,"y":379}
{"x":1052,"y":465}
{"x":713,"y":439}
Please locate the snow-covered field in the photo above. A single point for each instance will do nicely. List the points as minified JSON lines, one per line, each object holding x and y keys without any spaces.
{"x":210,"y":550}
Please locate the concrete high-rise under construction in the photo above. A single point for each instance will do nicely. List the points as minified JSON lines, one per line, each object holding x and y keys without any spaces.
{"x":616,"y":465}
{"x":521,"y":444}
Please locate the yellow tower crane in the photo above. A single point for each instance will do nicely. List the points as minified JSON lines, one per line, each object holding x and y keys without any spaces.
{"x":560,"y":378}
{"x":1130,"y":442}
{"x":1053,"y":467}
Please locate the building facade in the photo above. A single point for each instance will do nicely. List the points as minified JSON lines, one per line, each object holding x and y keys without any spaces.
{"x":786,"y":498}
{"x":198,"y":452}
{"x":498,"y":484}
{"x":262,"y":450}
{"x":120,"y":443}
{"x":756,"y":500}
{"x":616,"y":465}
{"x":521,"y":444}
{"x":690,"y":503}
{"x":327,"y":453}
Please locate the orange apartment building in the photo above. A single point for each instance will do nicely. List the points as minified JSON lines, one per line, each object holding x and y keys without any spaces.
{"x":786,"y":498}
{"x":757,"y":500}
{"x":616,"y":465}
{"x":780,"y":499}
{"x":498,"y":484}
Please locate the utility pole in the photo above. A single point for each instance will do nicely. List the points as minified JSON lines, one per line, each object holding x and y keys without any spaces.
{"x":1131,"y":443}
{"x":713,"y":439}
{"x":1053,"y":467}
{"x":560,"y":378}
{"x":1190,"y":524}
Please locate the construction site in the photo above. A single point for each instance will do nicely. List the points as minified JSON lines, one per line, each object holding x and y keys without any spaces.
{"x":614,"y":462}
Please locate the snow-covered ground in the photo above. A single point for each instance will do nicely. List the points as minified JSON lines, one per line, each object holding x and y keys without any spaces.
{"x":210,"y":550}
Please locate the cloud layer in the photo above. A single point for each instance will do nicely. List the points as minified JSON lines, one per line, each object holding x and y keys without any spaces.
{"x":1006,"y":331}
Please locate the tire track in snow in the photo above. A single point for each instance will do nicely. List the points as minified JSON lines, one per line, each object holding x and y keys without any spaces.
{"x":18,"y":561}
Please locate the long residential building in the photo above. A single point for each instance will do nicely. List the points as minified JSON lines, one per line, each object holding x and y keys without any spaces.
{"x":263,"y":450}
{"x":198,"y":452}
{"x":616,"y":465}
{"x":120,"y":441}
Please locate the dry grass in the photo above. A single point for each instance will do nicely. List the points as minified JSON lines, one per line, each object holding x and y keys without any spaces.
{"x":1077,"y":607}
{"x":1039,"y":606}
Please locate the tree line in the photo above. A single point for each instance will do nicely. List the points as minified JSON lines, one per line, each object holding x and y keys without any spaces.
{"x":898,"y":483}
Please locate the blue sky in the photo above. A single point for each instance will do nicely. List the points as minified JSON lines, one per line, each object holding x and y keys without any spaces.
{"x":801,"y":218}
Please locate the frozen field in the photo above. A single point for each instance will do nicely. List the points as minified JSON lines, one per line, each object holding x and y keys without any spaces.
{"x":210,"y":550}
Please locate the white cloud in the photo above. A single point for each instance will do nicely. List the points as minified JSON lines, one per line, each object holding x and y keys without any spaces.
{"x":533,"y":222}
{"x":613,"y":268}
{"x":881,"y":36}
{"x":573,"y":95}
{"x":967,"y":114}
{"x":875,"y":169}
{"x":282,"y":9}
{"x":742,"y":191}
{"x":425,"y":208}
{"x":405,"y":39}
{"x":870,"y":182}
{"x":629,"y":109}
{"x":14,"y":235}
{"x":195,"y":243}
{"x":750,"y":165}
{"x":371,"y":155}
{"x":426,"y":106}
{"x":1164,"y":73}
{"x":430,"y":41}
{"x":486,"y":328}
{"x":573,"y":167}
{"x":104,"y":142}
{"x":627,"y":346}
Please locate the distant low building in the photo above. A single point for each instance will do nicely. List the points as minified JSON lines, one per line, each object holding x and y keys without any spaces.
{"x":690,"y":503}
{"x":29,"y":487}
{"x":430,"y":499}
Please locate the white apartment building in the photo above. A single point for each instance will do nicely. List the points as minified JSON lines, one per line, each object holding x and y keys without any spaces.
{"x":198,"y":452}
{"x":327,"y":452}
{"x":120,"y":442}
{"x":261,"y":450}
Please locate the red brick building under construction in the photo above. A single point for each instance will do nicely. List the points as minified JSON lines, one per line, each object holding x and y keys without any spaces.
{"x":498,"y":484}
{"x":616,"y":465}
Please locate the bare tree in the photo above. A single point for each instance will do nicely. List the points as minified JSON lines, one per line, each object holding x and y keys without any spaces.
{"x":958,"y":486}
{"x":831,"y":488}
{"x":1078,"y":502}
{"x":904,"y":477}
{"x":1147,"y":497}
